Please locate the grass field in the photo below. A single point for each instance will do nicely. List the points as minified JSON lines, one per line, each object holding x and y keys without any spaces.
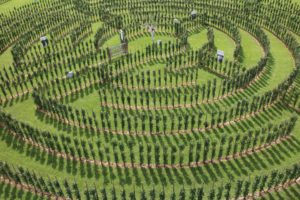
{"x":211,"y":176}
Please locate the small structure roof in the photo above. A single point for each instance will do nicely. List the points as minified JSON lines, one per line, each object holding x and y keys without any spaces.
{"x":220,"y":53}
{"x":43,"y":38}
{"x":176,"y":21}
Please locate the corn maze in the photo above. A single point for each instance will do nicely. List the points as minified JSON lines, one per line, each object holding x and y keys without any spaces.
{"x":149,"y":99}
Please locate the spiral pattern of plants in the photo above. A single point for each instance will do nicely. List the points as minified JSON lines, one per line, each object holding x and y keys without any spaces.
{"x":149,"y":99}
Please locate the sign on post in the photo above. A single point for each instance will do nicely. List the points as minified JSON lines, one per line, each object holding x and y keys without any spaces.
{"x":152,"y":30}
{"x":122,"y":36}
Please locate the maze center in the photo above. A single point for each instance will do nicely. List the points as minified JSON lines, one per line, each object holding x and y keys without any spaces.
{"x":149,"y":99}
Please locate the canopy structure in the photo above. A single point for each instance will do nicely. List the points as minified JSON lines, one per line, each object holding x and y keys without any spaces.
{"x":194,"y":12}
{"x":70,"y":74}
{"x":43,"y":38}
{"x":44,"y":41}
{"x":176,"y":21}
{"x":220,"y":55}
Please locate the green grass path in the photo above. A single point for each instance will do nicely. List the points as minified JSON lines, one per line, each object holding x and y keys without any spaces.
{"x":11,"y":4}
{"x":196,"y":41}
{"x":281,"y":68}
{"x":252,"y":50}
